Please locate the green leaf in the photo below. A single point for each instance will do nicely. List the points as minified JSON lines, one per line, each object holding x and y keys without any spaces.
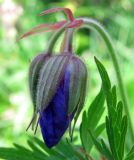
{"x":38,"y":151}
{"x":106,"y":150}
{"x":76,"y":151}
{"x":106,"y":85}
{"x":99,"y":129}
{"x":19,"y":153}
{"x":104,"y":76}
{"x":102,"y":148}
{"x":116,"y":126}
{"x":119,"y":114}
{"x":84,"y":133}
{"x":130,"y":155}
{"x":96,"y":143}
{"x":114,"y":96}
{"x":111,"y":137}
{"x":123,"y":135}
{"x":90,"y":121}
{"x":96,"y":110}
{"x":49,"y":151}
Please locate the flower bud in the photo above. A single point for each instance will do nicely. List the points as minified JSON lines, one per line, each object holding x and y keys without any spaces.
{"x":59,"y":93}
{"x":57,"y":82}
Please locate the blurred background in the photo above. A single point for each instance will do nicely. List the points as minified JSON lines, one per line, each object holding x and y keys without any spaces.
{"x":18,"y":16}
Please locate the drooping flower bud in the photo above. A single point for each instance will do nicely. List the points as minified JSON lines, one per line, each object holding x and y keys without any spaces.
{"x":44,"y":75}
{"x":57,"y":83}
{"x":60,"y":90}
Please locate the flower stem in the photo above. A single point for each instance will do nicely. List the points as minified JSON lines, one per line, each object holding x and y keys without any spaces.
{"x":54,"y":38}
{"x":66,"y":46}
{"x":93,"y":24}
{"x":90,"y":23}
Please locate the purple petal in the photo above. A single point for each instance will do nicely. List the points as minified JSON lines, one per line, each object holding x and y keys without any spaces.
{"x":54,"y":119}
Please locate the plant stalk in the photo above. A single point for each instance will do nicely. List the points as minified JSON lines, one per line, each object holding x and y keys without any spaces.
{"x":66,"y":46}
{"x":93,"y":24}
{"x":54,"y":38}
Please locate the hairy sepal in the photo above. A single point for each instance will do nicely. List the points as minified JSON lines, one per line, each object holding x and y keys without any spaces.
{"x":50,"y":76}
{"x":77,"y":84}
{"x":34,"y":71}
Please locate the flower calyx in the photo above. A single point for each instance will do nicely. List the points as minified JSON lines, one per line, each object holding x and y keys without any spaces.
{"x":71,"y":22}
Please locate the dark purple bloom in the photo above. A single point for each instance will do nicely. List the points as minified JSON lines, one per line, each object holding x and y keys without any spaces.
{"x":54,"y":119}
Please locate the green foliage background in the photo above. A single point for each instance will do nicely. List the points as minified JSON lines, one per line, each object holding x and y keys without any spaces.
{"x":15,"y":56}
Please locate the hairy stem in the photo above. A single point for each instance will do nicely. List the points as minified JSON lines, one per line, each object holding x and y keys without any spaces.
{"x":66,"y":46}
{"x":54,"y":39}
{"x":90,"y":23}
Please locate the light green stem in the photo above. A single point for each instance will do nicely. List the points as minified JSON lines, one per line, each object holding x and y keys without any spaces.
{"x":90,"y":23}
